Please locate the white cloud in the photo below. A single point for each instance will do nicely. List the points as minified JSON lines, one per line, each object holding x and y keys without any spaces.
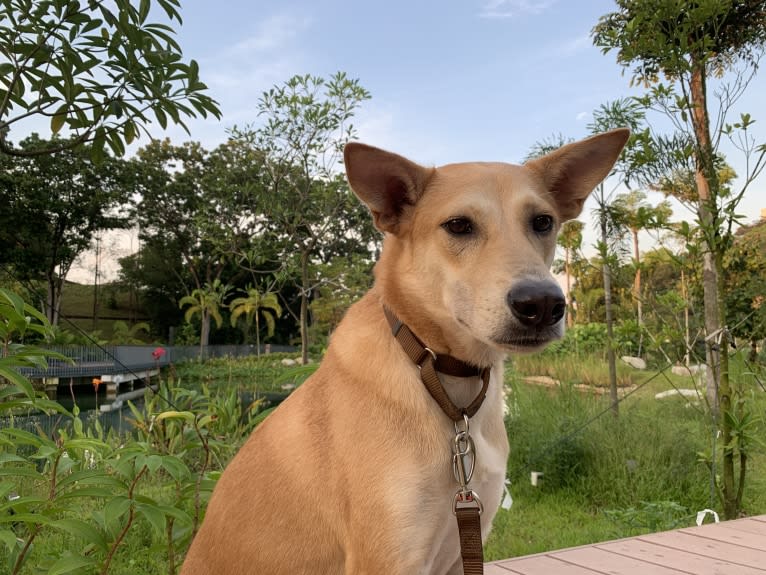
{"x":238,"y":73}
{"x":575,"y":45}
{"x":270,"y":36}
{"x":499,"y":9}
{"x":581,"y":116}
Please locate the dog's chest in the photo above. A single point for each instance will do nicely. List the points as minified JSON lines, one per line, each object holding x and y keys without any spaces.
{"x":429,"y":513}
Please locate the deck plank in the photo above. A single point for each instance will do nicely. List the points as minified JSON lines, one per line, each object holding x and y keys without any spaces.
{"x":601,"y":561}
{"x":722,"y":532}
{"x":751,"y":525}
{"x":729,"y":548}
{"x":681,"y":561}
{"x":542,"y":565}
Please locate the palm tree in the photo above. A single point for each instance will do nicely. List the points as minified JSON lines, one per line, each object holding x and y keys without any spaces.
{"x":205,"y":301}
{"x":637,"y":215}
{"x":252,"y":306}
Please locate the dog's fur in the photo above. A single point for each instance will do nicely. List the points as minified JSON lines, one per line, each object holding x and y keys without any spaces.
{"x":352,"y":473}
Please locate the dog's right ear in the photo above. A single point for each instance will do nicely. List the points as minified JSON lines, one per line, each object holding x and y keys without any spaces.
{"x":387,"y":183}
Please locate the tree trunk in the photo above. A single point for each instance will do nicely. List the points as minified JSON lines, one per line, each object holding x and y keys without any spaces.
{"x":257,"y":334}
{"x":607,"y":276}
{"x":637,"y":278}
{"x":53,"y":298}
{"x":637,"y":289}
{"x":716,"y":341}
{"x":687,"y":336}
{"x":204,"y":335}
{"x":304,"y":306}
{"x":706,"y":207}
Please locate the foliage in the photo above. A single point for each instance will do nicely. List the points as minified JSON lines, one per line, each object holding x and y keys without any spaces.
{"x":745,"y":267}
{"x":206,"y":302}
{"x":125,"y":334}
{"x":688,"y":42}
{"x":201,"y":220}
{"x":101,"y":70}
{"x":308,"y":209}
{"x":254,"y":305}
{"x":658,"y":37}
{"x":52,"y":206}
{"x":649,"y":517}
{"x":19,"y":322}
{"x":347,"y":278}
{"x":95,"y":491}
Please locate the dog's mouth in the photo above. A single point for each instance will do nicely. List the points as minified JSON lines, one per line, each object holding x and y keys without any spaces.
{"x":527,"y":342}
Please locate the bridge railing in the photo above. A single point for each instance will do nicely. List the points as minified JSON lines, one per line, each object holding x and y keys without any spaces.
{"x":92,"y":361}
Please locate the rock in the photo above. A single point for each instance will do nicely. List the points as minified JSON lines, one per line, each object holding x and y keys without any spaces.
{"x":635,"y":362}
{"x":542,"y":380}
{"x":288,"y":387}
{"x":287,"y":362}
{"x":690,"y":370}
{"x":672,"y":392}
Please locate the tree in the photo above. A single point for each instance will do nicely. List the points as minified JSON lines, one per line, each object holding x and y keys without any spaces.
{"x":687,"y":41}
{"x":254,"y":305}
{"x":99,"y":69}
{"x":619,"y":113}
{"x":51,"y":207}
{"x":196,"y":205}
{"x":637,"y":215}
{"x":745,"y":281}
{"x":308,"y":209}
{"x":570,"y":238}
{"x":206,"y":302}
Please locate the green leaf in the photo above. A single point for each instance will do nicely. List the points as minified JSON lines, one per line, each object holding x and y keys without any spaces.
{"x":116,"y":508}
{"x":58,"y":120}
{"x":129,"y":132}
{"x":8,"y":538}
{"x":31,"y":518}
{"x":83,"y":530}
{"x":153,"y":515}
{"x":70,"y":564}
{"x":185,"y":415}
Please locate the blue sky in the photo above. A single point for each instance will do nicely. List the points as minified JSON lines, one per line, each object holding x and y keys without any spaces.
{"x":451,"y":80}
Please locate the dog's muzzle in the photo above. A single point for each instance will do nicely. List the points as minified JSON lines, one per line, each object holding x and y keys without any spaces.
{"x":537,"y":303}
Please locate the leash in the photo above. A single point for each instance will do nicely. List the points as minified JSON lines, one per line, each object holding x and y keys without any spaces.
{"x":466,"y":505}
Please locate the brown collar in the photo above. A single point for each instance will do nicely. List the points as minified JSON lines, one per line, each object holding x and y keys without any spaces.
{"x":430,"y":362}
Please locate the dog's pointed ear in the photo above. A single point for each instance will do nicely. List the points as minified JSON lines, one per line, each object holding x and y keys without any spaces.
{"x":573,"y":171}
{"x":386,"y":182}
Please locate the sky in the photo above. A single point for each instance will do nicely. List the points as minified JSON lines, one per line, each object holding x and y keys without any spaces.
{"x":451,"y":80}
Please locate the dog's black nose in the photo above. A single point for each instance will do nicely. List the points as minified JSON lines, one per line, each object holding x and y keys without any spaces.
{"x":537,"y":303}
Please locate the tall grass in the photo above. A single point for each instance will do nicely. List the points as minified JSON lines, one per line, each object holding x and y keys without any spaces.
{"x":603,"y":477}
{"x":649,"y":452}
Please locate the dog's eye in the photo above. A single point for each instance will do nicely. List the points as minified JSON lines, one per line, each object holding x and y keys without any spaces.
{"x":542,"y":224}
{"x":458,"y":226}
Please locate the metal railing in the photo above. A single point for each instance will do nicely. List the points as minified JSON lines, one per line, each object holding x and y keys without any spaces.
{"x":91,"y":361}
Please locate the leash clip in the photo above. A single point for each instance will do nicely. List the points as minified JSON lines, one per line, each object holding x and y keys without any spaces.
{"x":466,"y":500}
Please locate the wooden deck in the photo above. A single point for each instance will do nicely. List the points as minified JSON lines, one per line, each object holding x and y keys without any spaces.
{"x":728,"y":548}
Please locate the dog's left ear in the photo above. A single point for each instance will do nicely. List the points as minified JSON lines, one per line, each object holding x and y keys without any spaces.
{"x":573,"y":171}
{"x":386,"y":182}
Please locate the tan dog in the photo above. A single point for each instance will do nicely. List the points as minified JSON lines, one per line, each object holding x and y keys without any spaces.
{"x":353,"y":473}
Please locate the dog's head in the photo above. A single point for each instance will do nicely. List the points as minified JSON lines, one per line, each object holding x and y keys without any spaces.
{"x":468,"y":246}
